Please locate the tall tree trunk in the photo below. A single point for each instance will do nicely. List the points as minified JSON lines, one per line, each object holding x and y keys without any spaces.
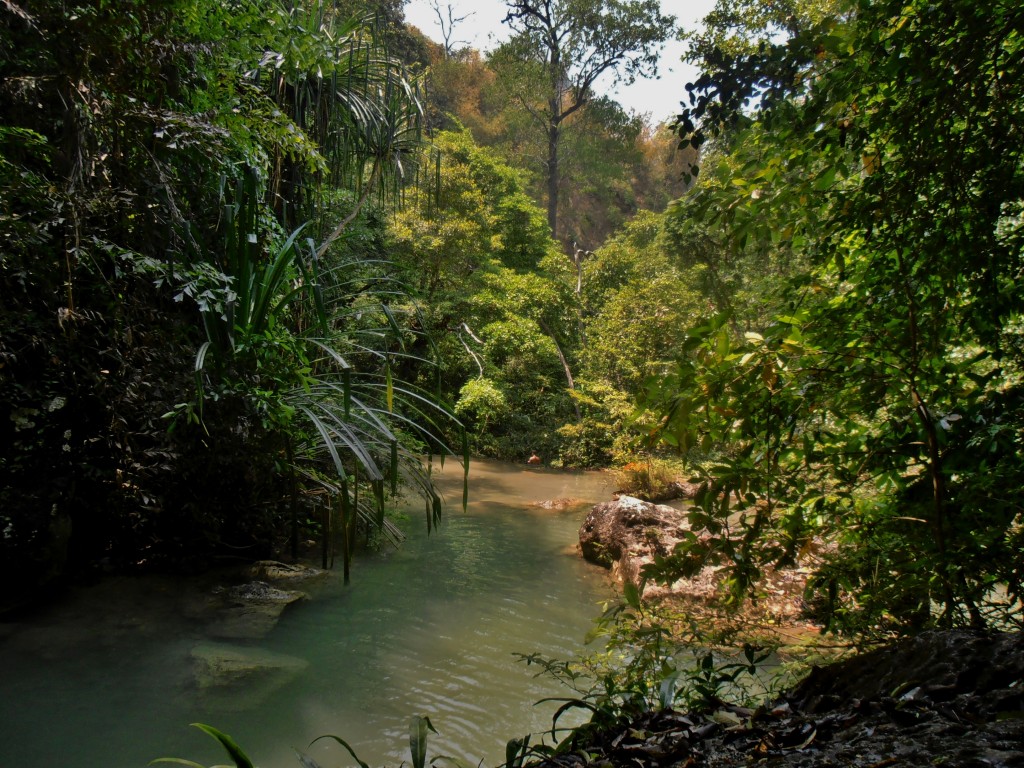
{"x":565,"y":366}
{"x":553,"y":137}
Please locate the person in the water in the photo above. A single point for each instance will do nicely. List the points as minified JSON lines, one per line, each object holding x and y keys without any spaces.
{"x":534,"y":459}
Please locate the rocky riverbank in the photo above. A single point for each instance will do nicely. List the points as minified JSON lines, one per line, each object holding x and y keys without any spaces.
{"x":953,"y":699}
{"x":628,"y":533}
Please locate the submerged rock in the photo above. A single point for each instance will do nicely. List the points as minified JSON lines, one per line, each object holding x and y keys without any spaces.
{"x":240,"y":677}
{"x":260,"y":591}
{"x":559,"y":504}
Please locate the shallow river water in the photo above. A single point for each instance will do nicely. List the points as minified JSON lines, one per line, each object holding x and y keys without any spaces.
{"x":104,"y":678}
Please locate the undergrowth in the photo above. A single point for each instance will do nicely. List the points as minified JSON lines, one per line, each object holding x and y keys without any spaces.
{"x":652,"y":479}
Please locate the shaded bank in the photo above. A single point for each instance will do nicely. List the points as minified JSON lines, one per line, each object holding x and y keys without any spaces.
{"x":943,"y":698}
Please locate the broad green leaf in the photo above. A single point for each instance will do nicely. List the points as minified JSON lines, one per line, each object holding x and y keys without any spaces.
{"x":418,"y":729}
{"x":631,"y":593}
{"x":234,"y":751}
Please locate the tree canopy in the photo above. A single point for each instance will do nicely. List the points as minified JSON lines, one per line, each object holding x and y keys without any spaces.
{"x":558,"y":51}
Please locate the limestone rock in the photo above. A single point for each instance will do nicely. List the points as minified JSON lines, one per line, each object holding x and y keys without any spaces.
{"x":250,"y":611}
{"x":677,"y":489}
{"x":626,"y":534}
{"x":628,"y":530}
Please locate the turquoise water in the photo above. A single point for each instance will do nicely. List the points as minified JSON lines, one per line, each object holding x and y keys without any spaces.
{"x":105,"y":678}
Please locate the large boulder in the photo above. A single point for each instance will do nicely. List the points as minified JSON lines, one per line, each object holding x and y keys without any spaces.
{"x":627,"y":533}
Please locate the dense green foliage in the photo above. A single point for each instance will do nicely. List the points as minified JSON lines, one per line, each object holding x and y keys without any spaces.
{"x":238,"y":287}
{"x":197,"y":341}
{"x":611,"y":164}
{"x":879,"y":405}
{"x":489,"y":275}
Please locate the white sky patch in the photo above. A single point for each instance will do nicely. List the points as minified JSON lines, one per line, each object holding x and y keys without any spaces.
{"x":483,"y":29}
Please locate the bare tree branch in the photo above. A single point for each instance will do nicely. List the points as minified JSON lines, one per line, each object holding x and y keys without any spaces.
{"x":448,"y":26}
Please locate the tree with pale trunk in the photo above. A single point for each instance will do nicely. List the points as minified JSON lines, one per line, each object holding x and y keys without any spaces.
{"x":558,"y":51}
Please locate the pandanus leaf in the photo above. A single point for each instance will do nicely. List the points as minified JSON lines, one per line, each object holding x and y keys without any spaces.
{"x":378,"y":492}
{"x":515,"y":751}
{"x":270,"y":295}
{"x":390,"y":387}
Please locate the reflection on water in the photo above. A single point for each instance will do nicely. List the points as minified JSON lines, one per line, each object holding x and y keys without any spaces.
{"x":105,"y":679}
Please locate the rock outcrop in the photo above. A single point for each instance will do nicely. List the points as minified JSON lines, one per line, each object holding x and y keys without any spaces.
{"x":626,"y":533}
{"x":249,"y":611}
{"x":284,"y":573}
{"x":677,"y":489}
